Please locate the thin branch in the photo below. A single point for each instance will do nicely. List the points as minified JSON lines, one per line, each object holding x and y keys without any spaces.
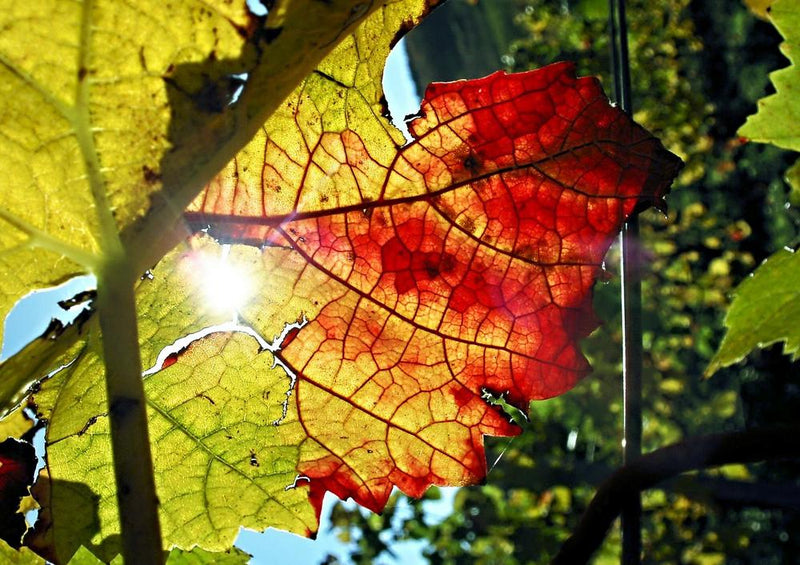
{"x":735,"y":494}
{"x":649,"y":470}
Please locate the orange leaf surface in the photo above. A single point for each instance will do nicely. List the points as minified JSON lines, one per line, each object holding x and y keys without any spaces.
{"x":460,"y":263}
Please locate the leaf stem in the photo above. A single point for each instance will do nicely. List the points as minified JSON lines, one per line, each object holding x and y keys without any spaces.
{"x":84,"y":135}
{"x":133,"y":461}
{"x":43,"y":240}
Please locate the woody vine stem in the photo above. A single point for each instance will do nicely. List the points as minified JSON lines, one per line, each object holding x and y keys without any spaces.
{"x":133,"y":461}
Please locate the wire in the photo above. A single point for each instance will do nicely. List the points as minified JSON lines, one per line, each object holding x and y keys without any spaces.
{"x":631,"y":290}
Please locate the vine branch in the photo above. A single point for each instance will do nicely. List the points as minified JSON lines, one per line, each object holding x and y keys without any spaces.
{"x":130,"y":442}
{"x":647,"y":471}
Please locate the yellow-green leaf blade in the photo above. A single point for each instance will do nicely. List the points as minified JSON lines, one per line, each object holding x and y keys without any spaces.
{"x":58,"y":346}
{"x":220,"y":462}
{"x":307,"y":159}
{"x":84,"y":123}
{"x":100,"y":123}
{"x":765,"y":310}
{"x":778,"y":114}
{"x":199,"y":556}
{"x":24,"y":556}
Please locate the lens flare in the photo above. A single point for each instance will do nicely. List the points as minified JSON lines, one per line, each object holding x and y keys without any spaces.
{"x":226,"y":286}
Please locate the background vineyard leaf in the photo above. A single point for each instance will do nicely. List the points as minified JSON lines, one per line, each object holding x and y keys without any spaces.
{"x":793,"y":179}
{"x":760,"y":315}
{"x":759,"y":7}
{"x":778,"y":113}
{"x":764,"y":311}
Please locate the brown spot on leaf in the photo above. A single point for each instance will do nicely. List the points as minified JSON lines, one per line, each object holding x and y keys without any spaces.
{"x":150,"y":176}
{"x":468,"y":224}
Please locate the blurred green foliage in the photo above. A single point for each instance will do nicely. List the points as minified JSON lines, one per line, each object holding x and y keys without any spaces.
{"x":697,"y":70}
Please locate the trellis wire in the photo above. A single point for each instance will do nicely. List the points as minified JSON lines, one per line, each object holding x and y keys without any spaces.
{"x":631,"y":293}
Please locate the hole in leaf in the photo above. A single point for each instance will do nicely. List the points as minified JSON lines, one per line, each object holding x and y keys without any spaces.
{"x":399,"y":88}
{"x":259,"y":8}
{"x":32,"y":314}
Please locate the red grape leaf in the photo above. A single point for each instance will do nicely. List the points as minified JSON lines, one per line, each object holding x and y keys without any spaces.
{"x":17,"y":463}
{"x":430,"y":274}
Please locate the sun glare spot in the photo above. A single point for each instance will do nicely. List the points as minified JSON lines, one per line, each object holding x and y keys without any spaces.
{"x":226,"y":287}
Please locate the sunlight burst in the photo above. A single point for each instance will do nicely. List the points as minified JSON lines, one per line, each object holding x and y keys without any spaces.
{"x":226,"y":287}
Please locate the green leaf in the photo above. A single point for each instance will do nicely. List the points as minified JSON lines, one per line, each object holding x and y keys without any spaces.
{"x":10,"y":556}
{"x":778,"y":114}
{"x":196,"y":556}
{"x":101,"y":121}
{"x":197,"y":508}
{"x":15,"y":424}
{"x":793,"y":179}
{"x":100,"y":127}
{"x":759,"y":7}
{"x":84,"y":557}
{"x":210,"y":441}
{"x":57,"y":346}
{"x":199,"y":556}
{"x":765,"y":310}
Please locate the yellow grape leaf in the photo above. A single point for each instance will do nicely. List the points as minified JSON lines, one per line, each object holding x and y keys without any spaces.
{"x":172,"y":304}
{"x":104,"y":107}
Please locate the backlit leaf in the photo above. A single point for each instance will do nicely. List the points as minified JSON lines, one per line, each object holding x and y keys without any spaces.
{"x":24,"y":556}
{"x":765,"y":310}
{"x":57,"y":346}
{"x":778,"y":114}
{"x":15,"y":425}
{"x":101,"y":120}
{"x":221,"y":462}
{"x":84,"y":557}
{"x":419,"y":301}
{"x":176,"y":557}
{"x":759,"y":7}
{"x":416,"y":279}
{"x":458,"y":264}
{"x":199,"y":556}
